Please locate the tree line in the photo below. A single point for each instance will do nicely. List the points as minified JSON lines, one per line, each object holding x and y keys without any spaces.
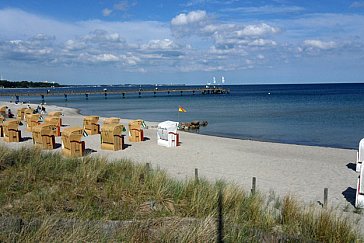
{"x":27,"y":84}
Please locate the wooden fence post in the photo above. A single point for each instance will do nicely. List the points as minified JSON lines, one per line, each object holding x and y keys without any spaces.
{"x":254,"y":184}
{"x":326,"y":195}
{"x":196,"y":175}
{"x":220,"y":221}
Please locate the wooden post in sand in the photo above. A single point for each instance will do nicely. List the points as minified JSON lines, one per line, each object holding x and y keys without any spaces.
{"x":147,"y":167}
{"x":254,"y":184}
{"x":196,"y":175}
{"x":220,"y":222}
{"x":326,"y":195}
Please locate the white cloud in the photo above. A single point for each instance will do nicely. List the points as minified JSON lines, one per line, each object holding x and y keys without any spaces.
{"x":357,"y":4}
{"x":106,"y":12}
{"x":257,"y":30}
{"x":40,"y":48}
{"x":262,"y":42}
{"x":102,"y":36}
{"x":73,"y":45}
{"x":107,"y":57}
{"x":249,"y":62}
{"x":161,"y":44}
{"x":189,"y":18}
{"x":210,"y":28}
{"x":226,"y":38}
{"x":320,"y":44}
{"x":100,"y":58}
{"x":130,"y":59}
{"x":124,"y":5}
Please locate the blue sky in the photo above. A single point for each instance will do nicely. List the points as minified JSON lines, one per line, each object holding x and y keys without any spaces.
{"x":134,"y":41}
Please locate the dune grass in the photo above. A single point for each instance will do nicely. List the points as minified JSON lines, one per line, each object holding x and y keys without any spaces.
{"x":47,"y":187}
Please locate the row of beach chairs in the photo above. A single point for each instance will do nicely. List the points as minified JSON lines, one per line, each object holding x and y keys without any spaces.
{"x":44,"y":134}
{"x":45,"y":131}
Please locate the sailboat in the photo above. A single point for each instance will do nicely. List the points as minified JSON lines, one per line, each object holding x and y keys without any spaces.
{"x":214,"y":82}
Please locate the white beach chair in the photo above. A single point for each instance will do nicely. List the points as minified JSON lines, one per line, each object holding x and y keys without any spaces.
{"x":360,"y":155}
{"x":167,"y":134}
{"x":359,"y":199}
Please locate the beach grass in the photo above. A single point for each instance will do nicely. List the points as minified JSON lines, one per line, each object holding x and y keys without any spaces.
{"x":58,"y":197}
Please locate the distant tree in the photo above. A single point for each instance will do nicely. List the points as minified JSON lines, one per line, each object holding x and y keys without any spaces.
{"x":27,"y":84}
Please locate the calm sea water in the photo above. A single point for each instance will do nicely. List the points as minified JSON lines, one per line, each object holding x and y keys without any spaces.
{"x":311,"y":114}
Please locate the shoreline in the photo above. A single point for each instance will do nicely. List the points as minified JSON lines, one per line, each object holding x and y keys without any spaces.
{"x":299,"y":170}
{"x":230,"y":137}
{"x":278,"y":142}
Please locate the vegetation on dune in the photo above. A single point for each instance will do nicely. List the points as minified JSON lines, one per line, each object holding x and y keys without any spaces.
{"x":44,"y":188}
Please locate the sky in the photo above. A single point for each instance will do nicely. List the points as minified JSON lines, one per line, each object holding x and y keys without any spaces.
{"x":182,"y":42}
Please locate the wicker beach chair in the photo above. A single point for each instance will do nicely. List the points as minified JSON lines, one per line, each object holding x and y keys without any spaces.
{"x":359,"y":199}
{"x":111,"y":137}
{"x":111,"y":120}
{"x":136,"y":133}
{"x":90,"y":124}
{"x":28,"y":111}
{"x":360,"y":156}
{"x":72,"y":145}
{"x":32,"y":121}
{"x":3,"y":110}
{"x":56,"y":114}
{"x":43,"y":136}
{"x":20,"y":113}
{"x":56,"y":121}
{"x":11,"y":131}
{"x":167,"y":134}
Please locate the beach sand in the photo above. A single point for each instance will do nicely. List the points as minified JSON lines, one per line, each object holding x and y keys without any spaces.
{"x":302,"y":171}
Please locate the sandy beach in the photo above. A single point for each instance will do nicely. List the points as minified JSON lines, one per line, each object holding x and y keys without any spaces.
{"x":302,"y":171}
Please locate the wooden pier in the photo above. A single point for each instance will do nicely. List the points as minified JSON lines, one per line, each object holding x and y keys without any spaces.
{"x":123,"y":93}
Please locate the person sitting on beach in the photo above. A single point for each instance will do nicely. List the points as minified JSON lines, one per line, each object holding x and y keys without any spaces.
{"x":10,"y":115}
{"x":43,"y":110}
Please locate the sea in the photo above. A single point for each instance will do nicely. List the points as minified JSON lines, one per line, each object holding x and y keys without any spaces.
{"x":328,"y":115}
